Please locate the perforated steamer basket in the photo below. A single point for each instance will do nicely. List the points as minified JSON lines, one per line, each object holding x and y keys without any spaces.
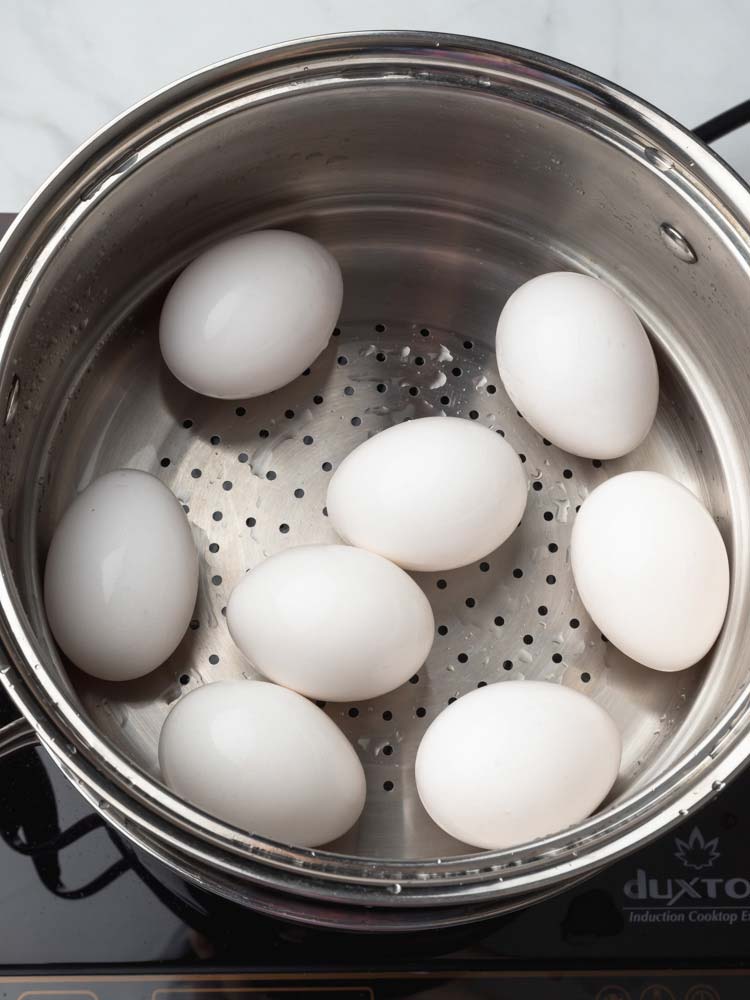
{"x":442,"y":172}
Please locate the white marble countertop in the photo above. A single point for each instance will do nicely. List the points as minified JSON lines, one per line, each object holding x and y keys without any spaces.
{"x":68,"y":66}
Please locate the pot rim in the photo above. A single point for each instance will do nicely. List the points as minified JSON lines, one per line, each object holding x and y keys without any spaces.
{"x":108,"y":778}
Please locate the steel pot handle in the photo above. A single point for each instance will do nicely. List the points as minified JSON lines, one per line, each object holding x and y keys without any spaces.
{"x":15,"y":736}
{"x":37,"y":834}
{"x":723,"y":124}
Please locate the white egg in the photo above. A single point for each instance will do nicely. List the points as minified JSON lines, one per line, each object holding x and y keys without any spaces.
{"x":332,"y":622}
{"x":263,"y":759}
{"x":429,"y":494}
{"x":250,"y":314}
{"x":515,"y":761}
{"x":651,"y":569}
{"x":121,"y":577}
{"x":576,"y":362}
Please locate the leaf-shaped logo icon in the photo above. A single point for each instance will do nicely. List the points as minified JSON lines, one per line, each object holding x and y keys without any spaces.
{"x":695,"y":852}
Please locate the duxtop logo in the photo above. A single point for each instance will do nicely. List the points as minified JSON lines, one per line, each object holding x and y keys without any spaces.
{"x":688,"y":898}
{"x":695,"y":852}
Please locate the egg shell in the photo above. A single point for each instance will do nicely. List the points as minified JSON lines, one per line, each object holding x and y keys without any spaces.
{"x":651,"y":568}
{"x":516,"y":761}
{"x":429,"y":494}
{"x":263,"y":759}
{"x":121,"y":577}
{"x":333,"y":622}
{"x":576,"y":362}
{"x":250,"y":314}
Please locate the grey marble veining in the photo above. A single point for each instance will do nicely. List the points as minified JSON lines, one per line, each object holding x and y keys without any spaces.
{"x":68,"y":66}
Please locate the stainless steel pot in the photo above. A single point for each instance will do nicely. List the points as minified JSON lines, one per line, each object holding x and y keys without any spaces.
{"x":442,"y":172}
